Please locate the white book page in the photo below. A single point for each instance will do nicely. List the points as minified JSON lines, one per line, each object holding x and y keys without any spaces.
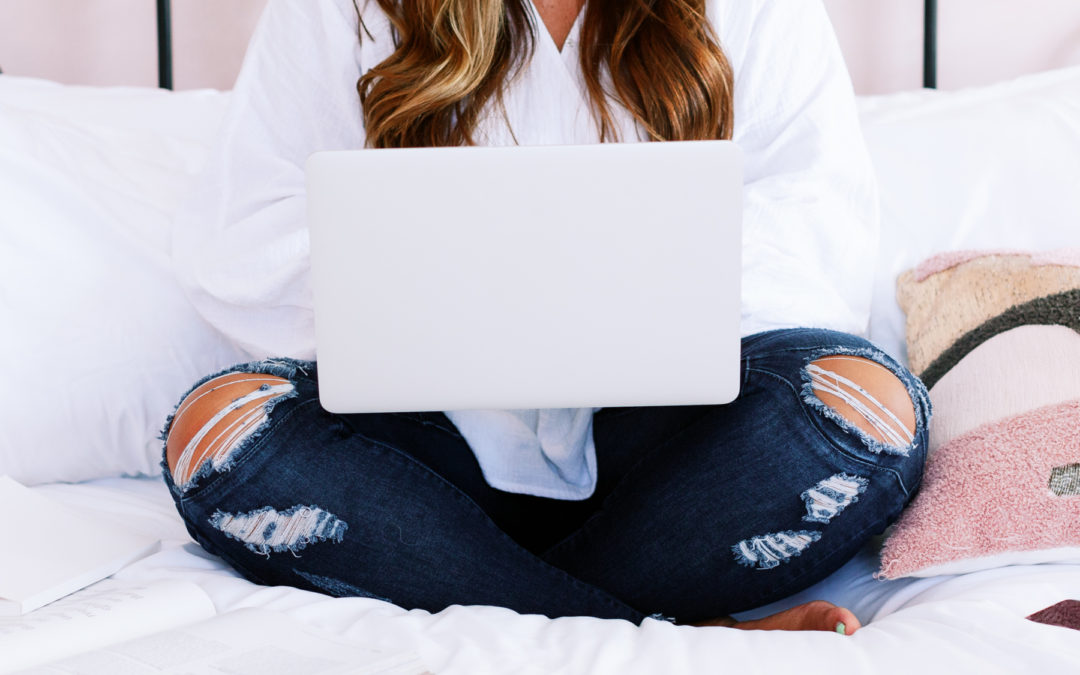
{"x":242,"y":642}
{"x":48,"y":550}
{"x":104,"y":614}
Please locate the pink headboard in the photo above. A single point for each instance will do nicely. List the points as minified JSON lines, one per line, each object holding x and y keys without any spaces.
{"x":112,"y":41}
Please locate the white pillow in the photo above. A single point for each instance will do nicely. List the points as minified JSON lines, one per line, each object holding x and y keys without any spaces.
{"x":984,"y":168}
{"x":99,"y":341}
{"x":190,"y":115}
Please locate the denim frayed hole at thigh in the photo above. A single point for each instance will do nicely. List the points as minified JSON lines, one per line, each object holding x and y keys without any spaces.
{"x":831,"y":496}
{"x":266,"y":530}
{"x":768,"y":551}
{"x":916,"y":391}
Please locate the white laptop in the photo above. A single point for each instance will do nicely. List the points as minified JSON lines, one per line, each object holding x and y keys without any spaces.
{"x":526,"y":277}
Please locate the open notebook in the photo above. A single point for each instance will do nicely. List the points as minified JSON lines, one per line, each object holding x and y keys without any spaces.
{"x":172,"y":627}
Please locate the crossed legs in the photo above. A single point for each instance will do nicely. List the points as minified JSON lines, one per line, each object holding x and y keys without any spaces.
{"x":218,"y":416}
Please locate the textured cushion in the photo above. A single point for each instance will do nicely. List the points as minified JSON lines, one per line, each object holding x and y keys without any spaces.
{"x":955,"y":301}
{"x":996,"y":337}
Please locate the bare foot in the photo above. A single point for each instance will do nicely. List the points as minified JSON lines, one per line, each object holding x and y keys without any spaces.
{"x":814,"y":615}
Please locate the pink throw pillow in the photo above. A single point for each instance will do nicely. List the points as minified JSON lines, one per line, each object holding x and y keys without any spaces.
{"x":996,"y":337}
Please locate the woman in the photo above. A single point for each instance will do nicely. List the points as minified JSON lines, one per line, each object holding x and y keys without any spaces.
{"x":684,"y":513}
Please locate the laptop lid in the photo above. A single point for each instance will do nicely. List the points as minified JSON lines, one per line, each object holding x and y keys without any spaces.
{"x":526,"y":277}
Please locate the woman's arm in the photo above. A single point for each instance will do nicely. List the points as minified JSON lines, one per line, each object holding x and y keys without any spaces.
{"x":240,"y":243}
{"x":811,"y":211}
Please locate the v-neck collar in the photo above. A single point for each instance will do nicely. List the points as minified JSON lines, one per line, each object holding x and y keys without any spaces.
{"x":571,"y":42}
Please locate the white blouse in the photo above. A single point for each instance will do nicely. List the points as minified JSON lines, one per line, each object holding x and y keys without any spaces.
{"x":240,"y":244}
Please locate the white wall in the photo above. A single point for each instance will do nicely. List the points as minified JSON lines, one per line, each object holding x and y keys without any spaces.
{"x":112,"y":41}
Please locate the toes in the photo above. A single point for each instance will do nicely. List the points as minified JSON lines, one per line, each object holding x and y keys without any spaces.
{"x":838,"y":615}
{"x":824,"y":615}
{"x":814,"y":615}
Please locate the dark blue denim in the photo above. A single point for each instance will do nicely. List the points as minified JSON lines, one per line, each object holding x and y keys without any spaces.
{"x":394,"y":506}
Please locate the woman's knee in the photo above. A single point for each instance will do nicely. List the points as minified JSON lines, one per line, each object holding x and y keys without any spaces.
{"x":867,"y":395}
{"x":877,"y":402}
{"x":216,"y":417}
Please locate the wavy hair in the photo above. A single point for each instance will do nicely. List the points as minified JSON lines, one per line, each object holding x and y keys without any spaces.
{"x":660,"y":59}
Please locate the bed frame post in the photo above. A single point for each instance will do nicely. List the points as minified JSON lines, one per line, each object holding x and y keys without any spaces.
{"x":164,"y":35}
{"x":930,"y":44}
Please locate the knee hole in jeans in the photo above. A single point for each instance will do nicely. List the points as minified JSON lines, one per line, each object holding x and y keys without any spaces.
{"x":867,"y":395}
{"x":217,"y":417}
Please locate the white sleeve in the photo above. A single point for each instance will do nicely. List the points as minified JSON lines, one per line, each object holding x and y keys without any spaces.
{"x":811,"y":206}
{"x":240,"y":242}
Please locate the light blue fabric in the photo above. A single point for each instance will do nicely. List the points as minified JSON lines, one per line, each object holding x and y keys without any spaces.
{"x":543,"y":452}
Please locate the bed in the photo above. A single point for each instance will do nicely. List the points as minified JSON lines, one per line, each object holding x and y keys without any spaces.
{"x":90,"y":177}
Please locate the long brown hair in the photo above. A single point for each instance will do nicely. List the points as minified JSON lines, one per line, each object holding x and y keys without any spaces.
{"x":453,"y":58}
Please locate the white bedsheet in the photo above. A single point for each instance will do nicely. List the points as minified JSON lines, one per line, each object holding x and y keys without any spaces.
{"x":965,"y":623}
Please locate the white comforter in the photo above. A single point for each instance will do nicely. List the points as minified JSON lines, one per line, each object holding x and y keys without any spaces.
{"x":965,"y":623}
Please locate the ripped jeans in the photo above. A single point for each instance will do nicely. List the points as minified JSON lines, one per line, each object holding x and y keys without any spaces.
{"x":699,"y":511}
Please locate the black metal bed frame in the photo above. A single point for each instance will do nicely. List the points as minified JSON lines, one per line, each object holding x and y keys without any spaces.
{"x":164,"y":41}
{"x":165,"y":69}
{"x":930,"y":17}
